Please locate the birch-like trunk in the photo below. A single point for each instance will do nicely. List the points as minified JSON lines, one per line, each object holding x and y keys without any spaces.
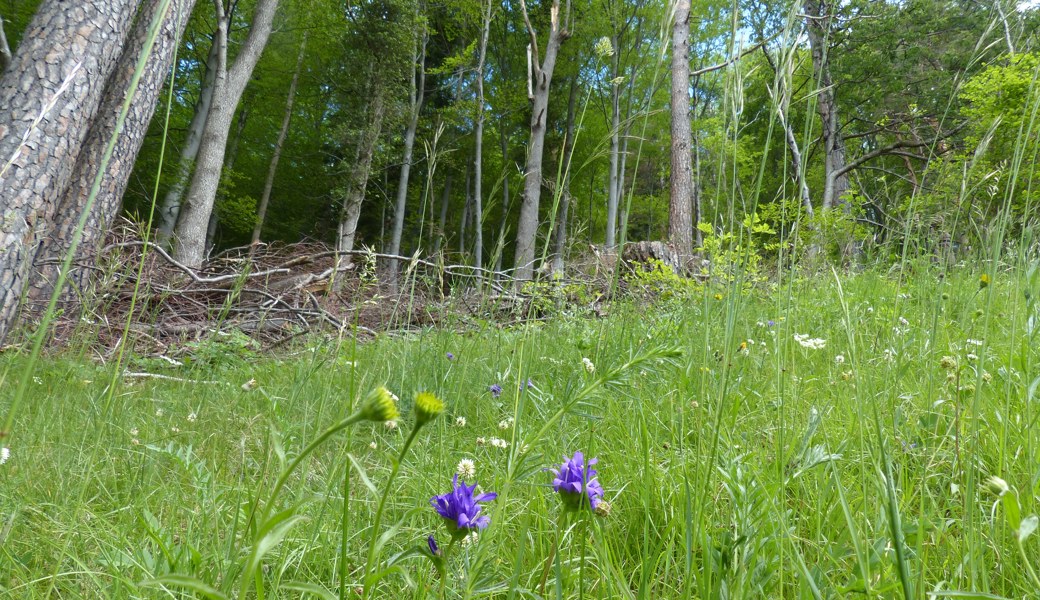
{"x":174,"y":17}
{"x":442,"y":218}
{"x":539,"y":82}
{"x":283,"y":132}
{"x":836,"y":182}
{"x":50,"y":94}
{"x":190,"y":233}
{"x":680,"y":208}
{"x":170,"y":208}
{"x":502,"y":229}
{"x":358,"y":181}
{"x":416,"y":95}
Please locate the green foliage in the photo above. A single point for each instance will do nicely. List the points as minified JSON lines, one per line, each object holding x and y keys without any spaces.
{"x":656,"y":280}
{"x":737,"y":255}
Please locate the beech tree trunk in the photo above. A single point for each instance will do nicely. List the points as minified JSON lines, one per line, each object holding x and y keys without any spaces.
{"x":819,"y":16}
{"x":191,"y":228}
{"x":50,"y":94}
{"x":358,"y":180}
{"x":170,"y":208}
{"x":116,"y":177}
{"x":265,"y":197}
{"x":540,"y":78}
{"x":680,"y":208}
{"x":499,"y":248}
{"x":418,"y":91}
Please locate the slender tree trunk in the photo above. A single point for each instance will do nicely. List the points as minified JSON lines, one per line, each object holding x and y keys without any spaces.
{"x":613,"y":183}
{"x":230,"y":84}
{"x":560,"y":235}
{"x":418,"y":91}
{"x":539,"y":82}
{"x":265,"y":197}
{"x":466,"y":204}
{"x":229,"y":167}
{"x":500,"y":248}
{"x":478,"y":144}
{"x":170,"y":208}
{"x":129,"y":139}
{"x":836,"y":184}
{"x":347,"y":230}
{"x":442,"y":219}
{"x":50,"y":94}
{"x":680,"y":208}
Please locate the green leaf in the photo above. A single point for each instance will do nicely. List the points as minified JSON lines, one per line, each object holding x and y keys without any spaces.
{"x":1011,"y":510}
{"x":967,"y":595}
{"x":364,"y":475}
{"x":309,"y":588}
{"x":187,"y":583}
{"x":1027,"y":528}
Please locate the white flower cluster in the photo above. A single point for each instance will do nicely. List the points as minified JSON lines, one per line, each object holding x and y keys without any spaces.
{"x":591,"y":368}
{"x":460,"y":421}
{"x":505,"y":424}
{"x":499,"y":443}
{"x":5,"y":453}
{"x":810,"y":342}
{"x":467,"y":469}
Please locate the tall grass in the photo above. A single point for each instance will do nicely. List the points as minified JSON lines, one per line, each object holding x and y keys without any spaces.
{"x":738,"y":461}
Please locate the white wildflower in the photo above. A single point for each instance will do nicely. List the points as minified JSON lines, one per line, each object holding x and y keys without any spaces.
{"x":589,"y":367}
{"x":133,"y":432}
{"x":974,"y":342}
{"x":904,"y":322}
{"x":373,"y":445}
{"x":481,"y":441}
{"x":467,"y":469}
{"x":175,"y":430}
{"x":37,"y":380}
{"x":469,"y":540}
{"x":604,"y":47}
{"x":972,"y":356}
{"x":505,"y":424}
{"x":5,"y":453}
{"x":889,"y":354}
{"x":499,"y":443}
{"x":192,"y":417}
{"x":839,"y":359}
{"x":159,"y":412}
{"x":810,"y":342}
{"x":249,"y":385}
{"x":390,"y":425}
{"x":460,"y":421}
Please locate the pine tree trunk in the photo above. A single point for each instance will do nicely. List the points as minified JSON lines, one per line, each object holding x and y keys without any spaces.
{"x":114,"y":181}
{"x":230,"y":84}
{"x":418,"y":91}
{"x":355,"y":196}
{"x":37,"y":158}
{"x":836,"y":184}
{"x":680,"y":208}
{"x":170,"y":208}
{"x":265,"y":197}
{"x":541,"y":79}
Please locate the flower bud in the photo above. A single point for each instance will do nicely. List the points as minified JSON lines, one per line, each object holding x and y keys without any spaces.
{"x":427,"y":407}
{"x":379,"y":405}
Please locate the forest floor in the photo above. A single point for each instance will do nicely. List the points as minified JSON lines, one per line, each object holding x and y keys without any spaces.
{"x":832,"y":436}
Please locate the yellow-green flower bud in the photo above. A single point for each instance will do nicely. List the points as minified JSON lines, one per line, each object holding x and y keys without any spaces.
{"x":427,"y":407}
{"x":379,"y":405}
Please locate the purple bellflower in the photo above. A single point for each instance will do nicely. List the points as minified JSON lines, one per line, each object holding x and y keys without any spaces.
{"x":495,"y":389}
{"x":460,"y":509}
{"x":576,"y":482}
{"x":432,"y":543}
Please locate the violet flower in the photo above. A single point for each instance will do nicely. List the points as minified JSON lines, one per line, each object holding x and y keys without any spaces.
{"x":576,"y":482}
{"x":495,"y":389}
{"x":460,"y":509}
{"x":432,"y":543}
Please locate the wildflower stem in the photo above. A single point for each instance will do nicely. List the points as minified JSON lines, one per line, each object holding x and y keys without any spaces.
{"x":382,"y":505}
{"x":1029,"y":566}
{"x":331,"y":431}
{"x":447,"y":566}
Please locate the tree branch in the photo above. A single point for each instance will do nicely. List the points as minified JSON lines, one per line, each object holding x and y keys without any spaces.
{"x":5,"y":50}
{"x":535,"y":62}
{"x":893,"y":148}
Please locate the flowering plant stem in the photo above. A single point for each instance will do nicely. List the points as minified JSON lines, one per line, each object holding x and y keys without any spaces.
{"x":444,"y":574}
{"x":382,"y":505}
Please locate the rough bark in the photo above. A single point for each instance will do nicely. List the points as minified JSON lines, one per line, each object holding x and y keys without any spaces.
{"x":129,"y":140}
{"x":355,"y":196}
{"x":417,"y":94}
{"x":478,"y":143}
{"x":283,"y":132}
{"x":170,"y":208}
{"x":504,"y":144}
{"x":680,"y":208}
{"x":51,"y":93}
{"x":541,"y":73}
{"x":231,"y":82}
{"x":836,"y":181}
